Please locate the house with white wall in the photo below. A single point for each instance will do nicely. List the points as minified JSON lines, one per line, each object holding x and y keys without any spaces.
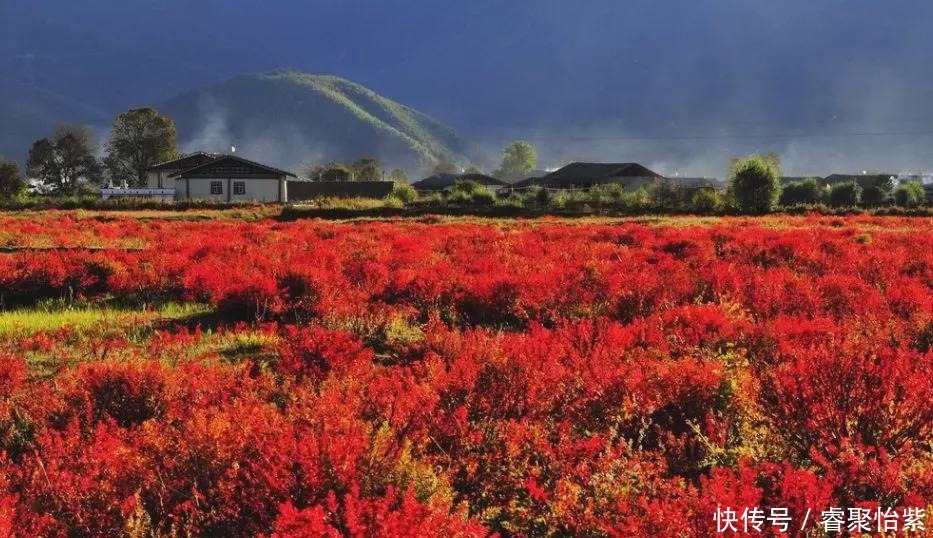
{"x":224,"y":178}
{"x":160,"y":175}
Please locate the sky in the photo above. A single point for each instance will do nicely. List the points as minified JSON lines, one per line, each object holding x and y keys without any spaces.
{"x":832,"y":85}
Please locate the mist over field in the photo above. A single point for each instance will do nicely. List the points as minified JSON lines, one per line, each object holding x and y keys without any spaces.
{"x":682,"y":86}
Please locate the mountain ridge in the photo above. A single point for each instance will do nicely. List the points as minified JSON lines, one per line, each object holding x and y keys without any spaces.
{"x":291,"y":118}
{"x":284,"y":117}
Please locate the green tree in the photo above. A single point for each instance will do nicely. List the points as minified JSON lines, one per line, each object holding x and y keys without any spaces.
{"x":403,"y":192}
{"x":473,"y":170}
{"x":518,"y":161}
{"x":140,"y":138}
{"x":59,"y":163}
{"x":398,"y":175}
{"x":706,"y":201}
{"x":332,"y":171}
{"x":336,"y":172}
{"x":848,"y":194}
{"x":366,"y":169}
{"x":754,"y":184}
{"x":314,"y":171}
{"x":445,"y":167}
{"x":669,"y":195}
{"x":12,"y":182}
{"x":807,"y":191}
{"x":909,"y":194}
{"x":879,"y":191}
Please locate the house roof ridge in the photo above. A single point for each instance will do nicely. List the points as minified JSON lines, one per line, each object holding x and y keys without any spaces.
{"x":222,"y":157}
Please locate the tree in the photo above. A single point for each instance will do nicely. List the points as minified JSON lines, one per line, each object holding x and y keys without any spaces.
{"x":754,"y":183}
{"x":65,"y":159}
{"x":366,"y":169}
{"x":403,"y":192}
{"x":314,"y":171}
{"x":473,"y":170}
{"x":879,"y":191}
{"x":398,"y":176}
{"x":140,"y":138}
{"x":445,"y":167}
{"x":706,"y":201}
{"x":909,"y":194}
{"x":518,"y":161}
{"x":807,"y":191}
{"x":12,"y":182}
{"x":335,"y":171}
{"x":669,"y":195}
{"x":848,"y":194}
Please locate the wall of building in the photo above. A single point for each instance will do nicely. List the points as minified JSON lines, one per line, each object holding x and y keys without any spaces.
{"x":257,"y":190}
{"x":153,"y":176}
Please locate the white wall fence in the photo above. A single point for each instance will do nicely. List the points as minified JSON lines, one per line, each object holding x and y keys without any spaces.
{"x":166,"y":195}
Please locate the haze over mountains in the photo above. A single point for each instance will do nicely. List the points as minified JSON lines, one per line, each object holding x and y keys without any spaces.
{"x":286,"y":115}
{"x":681,"y":86}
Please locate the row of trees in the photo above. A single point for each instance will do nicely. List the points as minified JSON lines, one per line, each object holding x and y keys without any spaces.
{"x":755,"y":187}
{"x":518,"y":161}
{"x":366,"y":168}
{"x":69,"y":158}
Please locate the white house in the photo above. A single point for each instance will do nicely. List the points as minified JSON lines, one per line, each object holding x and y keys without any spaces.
{"x":159,"y":175}
{"x":225,"y":178}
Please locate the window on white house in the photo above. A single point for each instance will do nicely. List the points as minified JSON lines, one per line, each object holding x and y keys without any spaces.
{"x":217,"y":187}
{"x":239,"y":188}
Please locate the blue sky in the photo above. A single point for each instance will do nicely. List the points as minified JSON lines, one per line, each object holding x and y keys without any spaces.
{"x":825,"y":81}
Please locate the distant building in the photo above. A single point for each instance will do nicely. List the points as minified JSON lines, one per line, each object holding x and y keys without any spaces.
{"x":442,"y":182}
{"x":863,"y":180}
{"x":160,"y":175}
{"x":585,"y":175}
{"x":787,"y":180}
{"x":534,"y":174}
{"x":232,"y":179}
{"x":211,"y":176}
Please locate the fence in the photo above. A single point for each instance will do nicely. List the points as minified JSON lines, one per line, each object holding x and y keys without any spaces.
{"x":308,"y":190}
{"x":166,"y":195}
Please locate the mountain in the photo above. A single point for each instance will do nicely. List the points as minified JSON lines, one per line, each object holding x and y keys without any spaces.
{"x":680,"y":86}
{"x":290,"y":119}
{"x":28,"y":113}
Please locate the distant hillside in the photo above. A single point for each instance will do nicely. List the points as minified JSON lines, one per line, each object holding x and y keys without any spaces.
{"x":28,"y":113}
{"x":289,"y":119}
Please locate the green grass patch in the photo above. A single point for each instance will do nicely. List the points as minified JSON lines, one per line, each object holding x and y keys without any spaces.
{"x":51,"y":317}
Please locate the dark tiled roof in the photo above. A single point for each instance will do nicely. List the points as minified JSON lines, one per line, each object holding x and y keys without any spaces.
{"x":232,"y":166}
{"x":600,"y":171}
{"x":186,"y":161}
{"x":589,"y":174}
{"x":444,"y":181}
{"x":527,"y":182}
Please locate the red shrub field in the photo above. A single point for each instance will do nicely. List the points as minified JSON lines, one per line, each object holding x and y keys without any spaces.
{"x":464,"y":378}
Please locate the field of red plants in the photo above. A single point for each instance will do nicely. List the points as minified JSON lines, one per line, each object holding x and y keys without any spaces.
{"x":464,"y":378}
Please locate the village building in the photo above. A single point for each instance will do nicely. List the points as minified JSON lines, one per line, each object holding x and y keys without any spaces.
{"x":862,"y":180}
{"x":160,"y":176}
{"x":581,"y":175}
{"x":232,"y":179}
{"x":442,"y":182}
{"x":211,"y":176}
